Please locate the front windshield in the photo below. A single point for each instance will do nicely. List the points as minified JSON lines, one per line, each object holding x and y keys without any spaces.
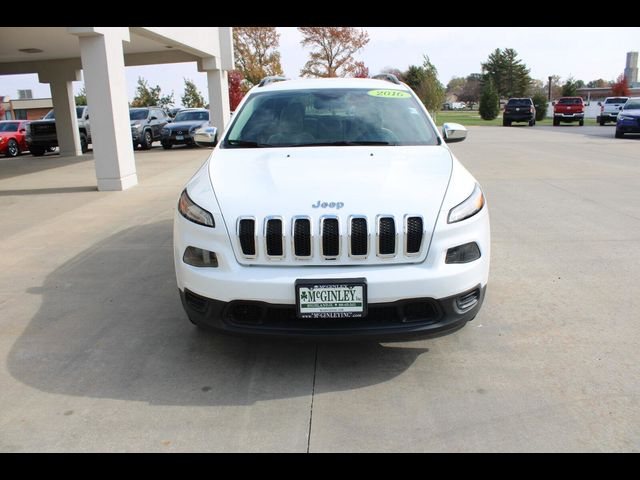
{"x":138,"y":114}
{"x":191,"y":116}
{"x":51,"y":115}
{"x":8,"y":127}
{"x":632,"y":105}
{"x":570,"y":101}
{"x":339,"y":116}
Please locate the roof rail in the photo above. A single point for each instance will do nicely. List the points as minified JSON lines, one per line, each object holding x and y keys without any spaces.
{"x":389,"y":77}
{"x":271,"y":79}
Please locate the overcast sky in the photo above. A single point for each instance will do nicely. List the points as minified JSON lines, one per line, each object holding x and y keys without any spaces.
{"x":586,"y":53}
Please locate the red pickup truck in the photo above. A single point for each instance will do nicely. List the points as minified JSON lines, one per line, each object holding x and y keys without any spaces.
{"x":568,"y":109}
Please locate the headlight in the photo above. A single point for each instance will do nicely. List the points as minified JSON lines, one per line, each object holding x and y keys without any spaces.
{"x":2,"y":139}
{"x":472,"y":205}
{"x":624,"y":117}
{"x":192,"y":212}
{"x":136,"y":126}
{"x":164,"y":131}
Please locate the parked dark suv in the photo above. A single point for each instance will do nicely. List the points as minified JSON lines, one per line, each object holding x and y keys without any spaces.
{"x":146,"y":124}
{"x":186,"y":121}
{"x":519,"y":110}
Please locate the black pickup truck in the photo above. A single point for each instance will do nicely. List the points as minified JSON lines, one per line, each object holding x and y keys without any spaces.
{"x":41,"y":134}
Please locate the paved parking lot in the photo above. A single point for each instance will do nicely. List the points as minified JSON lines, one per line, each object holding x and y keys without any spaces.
{"x":96,"y":353}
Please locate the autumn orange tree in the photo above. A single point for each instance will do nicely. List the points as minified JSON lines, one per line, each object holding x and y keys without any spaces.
{"x":256,"y":52}
{"x":333,"y":49}
{"x":620,"y":88}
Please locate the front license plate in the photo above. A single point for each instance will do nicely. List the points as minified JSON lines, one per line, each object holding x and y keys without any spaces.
{"x":339,"y":298}
{"x":179,"y":137}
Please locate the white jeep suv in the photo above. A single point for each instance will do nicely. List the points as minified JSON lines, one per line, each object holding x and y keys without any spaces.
{"x":332,"y":208}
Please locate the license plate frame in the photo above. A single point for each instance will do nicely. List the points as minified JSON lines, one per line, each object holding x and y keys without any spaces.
{"x":341,"y":309}
{"x":179,"y":137}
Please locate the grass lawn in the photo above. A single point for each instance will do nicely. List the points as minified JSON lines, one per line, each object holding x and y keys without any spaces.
{"x":472,"y":117}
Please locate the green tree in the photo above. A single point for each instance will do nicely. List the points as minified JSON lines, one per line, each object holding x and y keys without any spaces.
{"x":430,"y":90}
{"x":509,"y":74}
{"x":489,"y":100}
{"x":456,"y":86}
{"x":541,"y":104}
{"x":150,"y":97}
{"x":569,"y":88}
{"x":192,"y":97}
{"x":81,"y":97}
{"x":413,"y":77}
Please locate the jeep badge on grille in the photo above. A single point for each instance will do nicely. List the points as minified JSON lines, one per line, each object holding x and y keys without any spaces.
{"x":321,"y":204}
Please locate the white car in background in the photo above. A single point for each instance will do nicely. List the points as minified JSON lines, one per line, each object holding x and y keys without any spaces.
{"x":332,"y":208}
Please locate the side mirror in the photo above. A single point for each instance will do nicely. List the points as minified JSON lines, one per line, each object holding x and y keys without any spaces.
{"x":553,"y":104}
{"x":453,"y":132}
{"x":169,"y":120}
{"x":620,"y":108}
{"x":206,"y":137}
{"x":599,"y":104}
{"x":152,"y":118}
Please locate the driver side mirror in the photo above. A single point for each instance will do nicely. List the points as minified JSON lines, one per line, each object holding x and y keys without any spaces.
{"x":206,"y":137}
{"x":453,"y":132}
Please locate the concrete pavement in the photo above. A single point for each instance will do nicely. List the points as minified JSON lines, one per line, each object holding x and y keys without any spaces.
{"x":96,"y":353}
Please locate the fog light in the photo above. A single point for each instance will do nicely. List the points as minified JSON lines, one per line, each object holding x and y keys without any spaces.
{"x":463,"y":253}
{"x":198,"y":257}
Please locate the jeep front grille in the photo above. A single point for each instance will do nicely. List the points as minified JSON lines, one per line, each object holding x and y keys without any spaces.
{"x":330,"y":237}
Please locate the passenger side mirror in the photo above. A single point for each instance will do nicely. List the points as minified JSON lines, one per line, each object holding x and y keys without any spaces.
{"x":206,"y":137}
{"x":553,"y":104}
{"x":453,"y":132}
{"x":599,"y":104}
{"x":152,"y":118}
{"x":22,"y":130}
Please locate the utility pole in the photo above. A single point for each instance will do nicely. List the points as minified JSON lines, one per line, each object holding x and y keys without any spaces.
{"x":550,"y":78}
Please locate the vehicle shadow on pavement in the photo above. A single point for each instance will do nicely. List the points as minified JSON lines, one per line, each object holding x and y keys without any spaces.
{"x":111,"y":325}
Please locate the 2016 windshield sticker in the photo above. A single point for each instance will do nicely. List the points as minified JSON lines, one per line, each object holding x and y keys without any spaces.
{"x":389,"y":93}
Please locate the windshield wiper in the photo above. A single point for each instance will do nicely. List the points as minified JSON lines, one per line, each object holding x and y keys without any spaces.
{"x":247,"y":143}
{"x":340,"y":143}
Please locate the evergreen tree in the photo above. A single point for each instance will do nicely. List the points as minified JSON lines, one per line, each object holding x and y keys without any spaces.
{"x":81,"y":97}
{"x":429,"y":88}
{"x":509,"y":75}
{"x":150,"y":97}
{"x":540,"y":102}
{"x":489,"y":100}
{"x":192,"y":97}
{"x":570,"y":89}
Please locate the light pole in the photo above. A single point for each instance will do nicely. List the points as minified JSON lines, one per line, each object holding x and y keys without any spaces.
{"x":550,"y":78}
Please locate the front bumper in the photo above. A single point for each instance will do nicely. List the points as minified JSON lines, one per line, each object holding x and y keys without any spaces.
{"x":390,"y":286}
{"x":173,"y":139}
{"x":408,"y":319}
{"x":628,"y":125}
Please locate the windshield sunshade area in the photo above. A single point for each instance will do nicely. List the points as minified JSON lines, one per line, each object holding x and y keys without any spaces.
{"x":8,"y":127}
{"x":191,"y":116}
{"x":323,"y":117}
{"x":51,"y":115}
{"x":570,"y":101}
{"x":138,"y":114}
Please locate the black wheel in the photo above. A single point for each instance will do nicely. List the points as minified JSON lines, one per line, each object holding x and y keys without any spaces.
{"x":504,"y":122}
{"x":581,"y":123}
{"x":166,"y":145}
{"x":147,"y":140}
{"x":556,"y":122}
{"x":37,"y":151}
{"x":13,"y":149}
{"x":84,"y":146}
{"x":532,"y":123}
{"x":619,"y":134}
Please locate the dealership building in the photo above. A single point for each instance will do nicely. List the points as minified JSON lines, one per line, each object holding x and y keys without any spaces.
{"x":58,"y":55}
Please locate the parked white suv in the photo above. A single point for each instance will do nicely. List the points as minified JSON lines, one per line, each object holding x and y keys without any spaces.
{"x":609,"y":109}
{"x":332,"y":208}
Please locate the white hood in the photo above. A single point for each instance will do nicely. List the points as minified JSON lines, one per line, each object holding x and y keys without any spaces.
{"x":364,"y":180}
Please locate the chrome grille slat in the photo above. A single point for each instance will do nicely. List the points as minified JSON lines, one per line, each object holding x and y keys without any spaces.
{"x":393,"y":241}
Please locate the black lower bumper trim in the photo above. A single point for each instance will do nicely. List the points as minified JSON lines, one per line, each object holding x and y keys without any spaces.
{"x":408,"y":319}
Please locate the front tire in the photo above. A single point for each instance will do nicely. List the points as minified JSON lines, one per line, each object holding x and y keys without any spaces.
{"x":581,"y":123}
{"x":166,"y":145}
{"x":147,"y":140}
{"x":37,"y":151}
{"x":13,"y":149}
{"x":556,"y":122}
{"x":619,"y":134}
{"x":532,"y":123}
{"x":84,"y":145}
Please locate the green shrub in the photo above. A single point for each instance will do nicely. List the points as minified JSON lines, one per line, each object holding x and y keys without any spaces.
{"x":541,"y":104}
{"x":489,"y":101}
